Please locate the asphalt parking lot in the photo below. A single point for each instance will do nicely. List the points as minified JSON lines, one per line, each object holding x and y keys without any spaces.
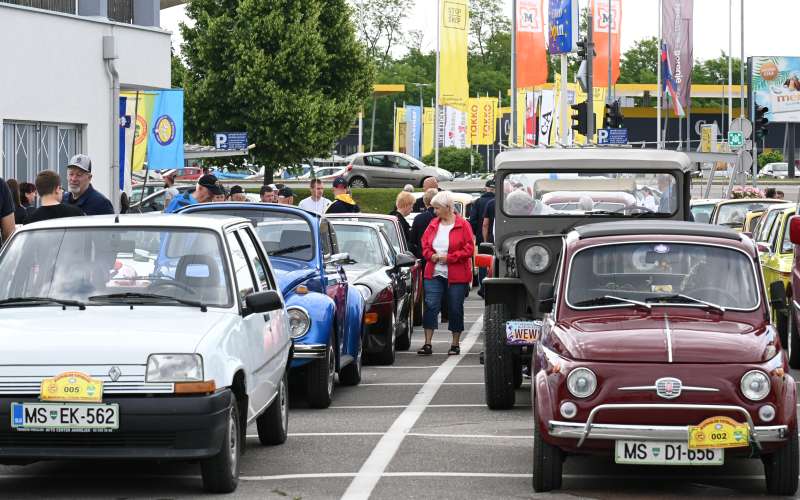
{"x":418,"y":429}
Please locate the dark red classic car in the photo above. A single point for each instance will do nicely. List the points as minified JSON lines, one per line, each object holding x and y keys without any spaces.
{"x":656,"y":348}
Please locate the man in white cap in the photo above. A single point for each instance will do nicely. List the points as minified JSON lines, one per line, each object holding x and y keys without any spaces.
{"x":80,"y":191}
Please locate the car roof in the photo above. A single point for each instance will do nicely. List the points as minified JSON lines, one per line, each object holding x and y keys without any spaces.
{"x":602,"y":159}
{"x":214,"y":221}
{"x":359,"y":215}
{"x":250,"y":205}
{"x":704,"y":201}
{"x":732,"y":201}
{"x":656,"y":227}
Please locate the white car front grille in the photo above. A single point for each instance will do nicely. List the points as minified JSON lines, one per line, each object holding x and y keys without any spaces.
{"x":27,"y":379}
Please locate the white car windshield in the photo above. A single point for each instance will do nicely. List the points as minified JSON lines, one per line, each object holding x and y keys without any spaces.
{"x":360,"y":242}
{"x":99,"y":266}
{"x":577,"y":194}
{"x":662,"y":273}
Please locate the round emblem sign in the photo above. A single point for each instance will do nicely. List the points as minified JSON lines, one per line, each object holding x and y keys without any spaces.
{"x":164,"y":130}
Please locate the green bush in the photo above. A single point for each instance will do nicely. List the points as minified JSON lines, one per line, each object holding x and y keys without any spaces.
{"x":769,"y":156}
{"x":370,"y":200}
{"x":456,"y":160}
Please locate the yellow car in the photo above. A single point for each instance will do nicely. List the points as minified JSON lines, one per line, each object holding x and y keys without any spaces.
{"x":750,"y":221}
{"x":776,"y":253}
{"x":732,"y":212}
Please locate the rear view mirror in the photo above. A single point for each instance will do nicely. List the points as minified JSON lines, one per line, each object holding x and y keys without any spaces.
{"x":794,"y":229}
{"x":405,"y":260}
{"x":337,"y":259}
{"x":261,"y":302}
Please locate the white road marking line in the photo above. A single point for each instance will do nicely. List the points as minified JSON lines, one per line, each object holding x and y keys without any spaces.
{"x":423,"y":366}
{"x":414,"y":434}
{"x":416,"y":383}
{"x":326,"y":434}
{"x":381,"y":407}
{"x":437,"y":353}
{"x":373,"y":468}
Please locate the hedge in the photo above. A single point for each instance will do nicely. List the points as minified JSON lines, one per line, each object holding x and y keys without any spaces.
{"x":370,"y":200}
{"x":457,"y":160}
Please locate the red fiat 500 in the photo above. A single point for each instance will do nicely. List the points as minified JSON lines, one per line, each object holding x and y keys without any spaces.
{"x":657,"y":349}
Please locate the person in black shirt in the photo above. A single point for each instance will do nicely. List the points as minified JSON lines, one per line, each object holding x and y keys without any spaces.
{"x":48,"y":183}
{"x":421,"y":223}
{"x":343,"y":203}
{"x":20,"y":212}
{"x":428,"y":183}
{"x":7,"y":226}
{"x":403,"y":204}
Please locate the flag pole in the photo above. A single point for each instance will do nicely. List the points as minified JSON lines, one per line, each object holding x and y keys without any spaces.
{"x":730,"y":63}
{"x":436,"y":106}
{"x":514,"y":103}
{"x":609,"y":97}
{"x":658,"y":90}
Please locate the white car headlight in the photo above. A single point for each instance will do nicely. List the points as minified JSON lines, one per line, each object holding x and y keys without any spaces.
{"x":537,"y":259}
{"x":755,"y":385}
{"x":581,"y":382}
{"x":299,"y":321}
{"x":174,"y":368}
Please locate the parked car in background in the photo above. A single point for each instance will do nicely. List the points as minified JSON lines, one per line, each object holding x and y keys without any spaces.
{"x":155,"y":202}
{"x":777,"y":170}
{"x":656,"y":349}
{"x":325,"y":310}
{"x":324,"y":174}
{"x":390,"y":169}
{"x":732,"y":212}
{"x":412,"y":275}
{"x":233,"y":172}
{"x":188,"y":174}
{"x":166,"y":344}
{"x":702,"y":208}
{"x":381,"y":275}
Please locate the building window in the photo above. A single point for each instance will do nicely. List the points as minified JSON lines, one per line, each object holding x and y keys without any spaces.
{"x":120,"y":11}
{"x":30,"y":147}
{"x":66,"y":6}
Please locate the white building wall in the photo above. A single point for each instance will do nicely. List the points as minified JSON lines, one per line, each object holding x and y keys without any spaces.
{"x":52,"y":70}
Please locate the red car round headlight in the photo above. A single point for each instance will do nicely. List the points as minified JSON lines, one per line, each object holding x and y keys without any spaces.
{"x":755,"y":385}
{"x":581,"y":382}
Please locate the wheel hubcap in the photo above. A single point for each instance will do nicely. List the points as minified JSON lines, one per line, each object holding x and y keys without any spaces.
{"x":233,"y":442}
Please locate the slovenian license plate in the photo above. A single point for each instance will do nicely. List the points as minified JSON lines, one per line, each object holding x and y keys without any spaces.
{"x":665,"y":453}
{"x":523,"y":332}
{"x":64,"y":416}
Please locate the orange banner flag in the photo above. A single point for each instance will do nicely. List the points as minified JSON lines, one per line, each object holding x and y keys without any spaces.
{"x":531,"y":51}
{"x":606,"y":14}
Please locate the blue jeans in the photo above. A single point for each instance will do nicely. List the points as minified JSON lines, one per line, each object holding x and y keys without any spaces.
{"x":435,"y":290}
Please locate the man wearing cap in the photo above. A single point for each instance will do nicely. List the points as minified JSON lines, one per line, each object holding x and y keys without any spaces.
{"x":269,"y":193}
{"x":343,"y":203}
{"x":316,"y":202}
{"x":207,"y":187}
{"x":286,"y":196}
{"x":81,"y":192}
{"x":237,"y":194}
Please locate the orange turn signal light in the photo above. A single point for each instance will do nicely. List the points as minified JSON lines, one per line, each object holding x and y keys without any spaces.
{"x":370,"y":318}
{"x":301,"y":290}
{"x":482,"y":260}
{"x":195,"y":387}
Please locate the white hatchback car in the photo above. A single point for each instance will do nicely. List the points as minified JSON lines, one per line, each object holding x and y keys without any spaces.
{"x":148,"y":338}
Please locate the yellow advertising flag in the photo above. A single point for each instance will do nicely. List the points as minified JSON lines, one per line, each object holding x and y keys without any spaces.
{"x":427,"y":131}
{"x":453,"y":31}
{"x":399,"y":130}
{"x":487,"y":126}
{"x":142,"y":104}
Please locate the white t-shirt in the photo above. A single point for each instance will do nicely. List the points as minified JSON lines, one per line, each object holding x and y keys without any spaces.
{"x":318,"y":207}
{"x":441,"y":244}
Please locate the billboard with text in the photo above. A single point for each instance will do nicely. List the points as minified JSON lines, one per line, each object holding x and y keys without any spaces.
{"x":775,"y":83}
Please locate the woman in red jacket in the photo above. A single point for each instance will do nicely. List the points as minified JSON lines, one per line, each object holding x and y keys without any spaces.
{"x":447,"y":246}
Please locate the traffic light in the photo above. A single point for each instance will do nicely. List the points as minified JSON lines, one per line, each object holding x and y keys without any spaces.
{"x":615,"y":117}
{"x":582,"y":44}
{"x":760,"y":122}
{"x":607,"y":116}
{"x":580,"y":115}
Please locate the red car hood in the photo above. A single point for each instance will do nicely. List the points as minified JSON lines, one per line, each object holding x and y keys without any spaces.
{"x":647,"y":339}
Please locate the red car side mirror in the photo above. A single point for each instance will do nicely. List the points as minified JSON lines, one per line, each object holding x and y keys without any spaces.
{"x":794,"y":229}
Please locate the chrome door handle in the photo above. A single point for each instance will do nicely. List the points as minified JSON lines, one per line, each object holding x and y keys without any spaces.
{"x":266,"y":316}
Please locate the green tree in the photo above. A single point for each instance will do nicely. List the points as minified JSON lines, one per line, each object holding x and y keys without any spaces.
{"x":380,"y":25}
{"x":639,"y":64}
{"x":178,"y":70}
{"x":486,"y":19}
{"x":457,"y":160}
{"x":289,"y":72}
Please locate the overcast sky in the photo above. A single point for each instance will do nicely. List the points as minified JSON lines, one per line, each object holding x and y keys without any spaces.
{"x":769,"y":24}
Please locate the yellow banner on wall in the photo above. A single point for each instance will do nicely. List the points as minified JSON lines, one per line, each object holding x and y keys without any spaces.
{"x":141,"y":105}
{"x":428,"y":132}
{"x":481,"y":120}
{"x":399,"y":130}
{"x":453,"y":32}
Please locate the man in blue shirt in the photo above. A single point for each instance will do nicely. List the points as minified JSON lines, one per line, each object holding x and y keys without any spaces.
{"x":80,"y":192}
{"x":207,"y":187}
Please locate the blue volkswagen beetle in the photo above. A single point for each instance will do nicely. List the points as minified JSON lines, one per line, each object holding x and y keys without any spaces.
{"x":325,"y":312}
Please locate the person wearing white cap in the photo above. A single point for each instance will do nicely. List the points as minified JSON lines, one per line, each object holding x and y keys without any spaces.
{"x":80,"y":191}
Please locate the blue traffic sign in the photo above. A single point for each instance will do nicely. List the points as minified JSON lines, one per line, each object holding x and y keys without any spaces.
{"x":562,"y":35}
{"x":612,"y":136}
{"x":230,"y":140}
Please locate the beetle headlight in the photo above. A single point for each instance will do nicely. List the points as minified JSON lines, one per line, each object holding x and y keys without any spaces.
{"x":581,"y":382}
{"x":755,"y":385}
{"x":299,"y":322}
{"x":537,"y":259}
{"x":174,"y":368}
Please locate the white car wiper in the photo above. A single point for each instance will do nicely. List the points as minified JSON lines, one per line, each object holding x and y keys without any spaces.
{"x":23,"y":300}
{"x":690,"y":299}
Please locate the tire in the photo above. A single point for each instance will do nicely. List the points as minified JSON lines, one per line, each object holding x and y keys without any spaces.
{"x":794,"y":340}
{"x":221,"y":472}
{"x":517,"y":373}
{"x":547,"y":462}
{"x":273,"y":424}
{"x":782,"y":325}
{"x":498,"y":367}
{"x":358,"y":182}
{"x":387,"y":356}
{"x":781,"y":468}
{"x":403,"y":342}
{"x":351,"y":374}
{"x":320,"y":377}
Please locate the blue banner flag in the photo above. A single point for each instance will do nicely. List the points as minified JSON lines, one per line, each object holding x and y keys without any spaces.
{"x":165,"y":147}
{"x":413,"y":131}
